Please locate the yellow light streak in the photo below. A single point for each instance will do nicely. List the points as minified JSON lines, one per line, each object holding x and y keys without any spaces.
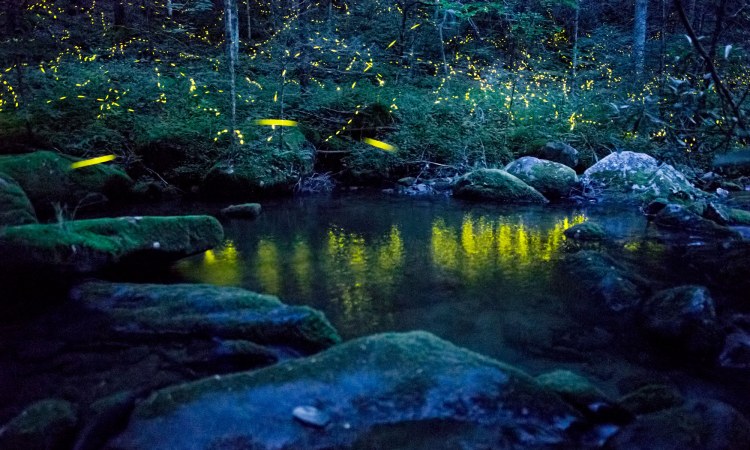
{"x":279,"y":122}
{"x":379,"y":144}
{"x":92,"y":161}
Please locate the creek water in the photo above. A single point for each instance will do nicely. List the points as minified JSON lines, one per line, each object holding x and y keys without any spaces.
{"x":490,"y":278}
{"x":486,"y":277}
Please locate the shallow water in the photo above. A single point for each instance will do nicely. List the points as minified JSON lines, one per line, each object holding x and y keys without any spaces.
{"x":485,"y":277}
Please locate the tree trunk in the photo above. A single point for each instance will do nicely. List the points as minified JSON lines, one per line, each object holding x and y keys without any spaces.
{"x":639,"y":37}
{"x":231,"y":36}
{"x":249,"y":20}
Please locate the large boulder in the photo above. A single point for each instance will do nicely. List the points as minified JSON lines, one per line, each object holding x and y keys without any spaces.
{"x":609,"y":282}
{"x":638,"y":176}
{"x":724,"y":215}
{"x":45,"y":425}
{"x":683,"y":318}
{"x":704,"y":425}
{"x":86,"y":246}
{"x":15,"y":207}
{"x":586,"y":231}
{"x":47,"y":178}
{"x":137,"y":311}
{"x":551,"y":179}
{"x":559,"y":152}
{"x":495,"y":185}
{"x":735,"y":355}
{"x":342,"y":396}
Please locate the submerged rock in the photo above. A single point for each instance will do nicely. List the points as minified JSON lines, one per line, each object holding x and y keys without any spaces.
{"x":196,"y":311}
{"x":15,"y":207}
{"x":243,"y":211}
{"x":584,"y":396}
{"x":86,"y":246}
{"x":721,"y":265}
{"x":47,"y":178}
{"x":551,"y":179}
{"x":559,"y":152}
{"x":609,"y":282}
{"x":683,"y":317}
{"x":393,"y":380}
{"x":638,"y":176}
{"x":45,"y":425}
{"x":495,"y":185}
{"x":700,"y":425}
{"x":586,"y":231}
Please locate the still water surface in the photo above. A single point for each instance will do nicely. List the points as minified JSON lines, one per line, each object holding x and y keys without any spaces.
{"x":482,"y":276}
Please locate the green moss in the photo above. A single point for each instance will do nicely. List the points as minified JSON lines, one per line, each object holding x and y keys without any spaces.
{"x":496,"y":185}
{"x":47,"y":177}
{"x":15,"y":207}
{"x":89,"y":245}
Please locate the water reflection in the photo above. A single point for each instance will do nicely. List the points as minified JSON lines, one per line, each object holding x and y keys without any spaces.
{"x":360,"y":275}
{"x":486,"y":245}
{"x":222,"y":267}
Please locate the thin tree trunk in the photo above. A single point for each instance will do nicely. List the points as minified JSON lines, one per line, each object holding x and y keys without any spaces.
{"x":249,"y":17}
{"x":232,"y":40}
{"x":575,"y":39}
{"x":639,"y":37}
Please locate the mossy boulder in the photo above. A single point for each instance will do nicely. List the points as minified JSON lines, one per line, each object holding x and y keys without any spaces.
{"x":638,"y":176}
{"x":609,"y":282}
{"x":86,"y":246}
{"x":393,"y":379}
{"x":724,"y":215}
{"x":47,"y":178}
{"x":681,"y":218}
{"x":15,"y":207}
{"x":586,"y":231}
{"x":205,"y":312}
{"x":495,"y":185}
{"x":551,"y":179}
{"x":45,"y":425}
{"x":576,"y":390}
{"x":704,"y":425}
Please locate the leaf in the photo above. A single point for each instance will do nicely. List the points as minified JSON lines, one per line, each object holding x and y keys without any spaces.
{"x":690,"y":41}
{"x":727,"y":49}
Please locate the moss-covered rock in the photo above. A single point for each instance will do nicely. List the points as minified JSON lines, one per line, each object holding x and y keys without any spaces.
{"x":638,"y":176}
{"x":704,"y":425}
{"x":47,"y":178}
{"x":586,"y":231}
{"x":45,"y":425}
{"x":85,"y":246}
{"x":15,"y":207}
{"x":574,"y":389}
{"x":724,"y":215}
{"x":390,"y":379}
{"x":559,"y":152}
{"x":495,"y":185}
{"x":226,"y":313}
{"x":551,"y":179}
{"x":606,"y":280}
{"x":681,"y":218}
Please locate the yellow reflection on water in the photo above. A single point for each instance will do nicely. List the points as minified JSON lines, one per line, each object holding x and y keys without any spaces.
{"x":479,"y":245}
{"x":221,"y":266}
{"x":267,"y":267}
{"x":302,"y":266}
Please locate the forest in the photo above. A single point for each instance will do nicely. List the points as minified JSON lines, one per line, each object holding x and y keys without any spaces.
{"x":374,"y":224}
{"x":172,"y":88}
